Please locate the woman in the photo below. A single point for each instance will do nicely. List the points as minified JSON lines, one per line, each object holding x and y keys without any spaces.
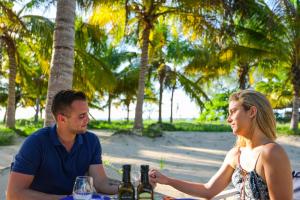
{"x":258,"y":167}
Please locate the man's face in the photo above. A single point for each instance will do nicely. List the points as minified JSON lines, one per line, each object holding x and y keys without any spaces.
{"x":77,"y":118}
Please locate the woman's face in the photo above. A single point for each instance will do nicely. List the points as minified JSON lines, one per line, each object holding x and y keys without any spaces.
{"x":239,"y":119}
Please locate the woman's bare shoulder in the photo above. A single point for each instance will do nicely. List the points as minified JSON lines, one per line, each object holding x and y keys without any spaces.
{"x":232,"y":157}
{"x":273,"y":153}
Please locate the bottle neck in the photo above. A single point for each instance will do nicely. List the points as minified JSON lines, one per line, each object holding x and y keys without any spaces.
{"x":144,"y":177}
{"x":126,"y":176}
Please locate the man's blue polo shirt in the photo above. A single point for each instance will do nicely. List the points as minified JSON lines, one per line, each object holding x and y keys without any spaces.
{"x":54,"y":169}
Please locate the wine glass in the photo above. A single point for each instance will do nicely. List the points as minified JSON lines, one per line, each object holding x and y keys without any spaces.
{"x":83,"y":188}
{"x":135,"y":176}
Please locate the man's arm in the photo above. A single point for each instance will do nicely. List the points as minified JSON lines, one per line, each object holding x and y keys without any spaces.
{"x":101,"y":182}
{"x":18,"y":189}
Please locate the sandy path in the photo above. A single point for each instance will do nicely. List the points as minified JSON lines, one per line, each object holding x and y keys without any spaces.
{"x":193,"y":156}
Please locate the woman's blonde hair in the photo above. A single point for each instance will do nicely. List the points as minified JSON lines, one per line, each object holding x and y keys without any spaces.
{"x":264,"y":119}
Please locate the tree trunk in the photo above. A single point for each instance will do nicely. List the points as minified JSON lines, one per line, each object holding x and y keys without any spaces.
{"x":295,"y":113}
{"x":1,"y":56}
{"x":161,"y":90}
{"x":109,"y":108}
{"x":41,"y":112}
{"x":172,"y":98}
{"x":138,"y":120}
{"x":243,"y":73}
{"x":11,"y":103}
{"x":37,"y":109}
{"x":127,"y":106}
{"x":296,"y":86}
{"x":4,"y":117}
{"x":62,"y":63}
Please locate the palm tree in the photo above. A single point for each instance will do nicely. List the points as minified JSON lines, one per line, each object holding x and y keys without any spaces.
{"x":147,"y":13}
{"x":30,"y":28}
{"x":255,"y":39}
{"x":288,"y":13}
{"x":11,"y":27}
{"x":97,"y":62}
{"x":62,"y":62}
{"x":127,"y":85}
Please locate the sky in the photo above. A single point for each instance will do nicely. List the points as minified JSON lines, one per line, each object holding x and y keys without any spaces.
{"x":183,"y":107}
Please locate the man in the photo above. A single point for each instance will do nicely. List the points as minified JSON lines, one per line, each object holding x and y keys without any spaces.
{"x":51,"y":158}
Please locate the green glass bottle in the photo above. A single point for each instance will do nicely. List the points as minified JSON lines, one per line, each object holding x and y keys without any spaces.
{"x":144,"y":189}
{"x":126,"y":189}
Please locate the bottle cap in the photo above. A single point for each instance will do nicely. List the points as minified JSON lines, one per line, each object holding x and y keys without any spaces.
{"x":126,"y":167}
{"x":144,"y":167}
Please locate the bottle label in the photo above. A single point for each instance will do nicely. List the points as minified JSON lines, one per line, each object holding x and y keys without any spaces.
{"x":126,"y":196}
{"x":145,"y":195}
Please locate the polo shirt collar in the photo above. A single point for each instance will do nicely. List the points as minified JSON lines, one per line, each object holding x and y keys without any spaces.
{"x":55,"y":140}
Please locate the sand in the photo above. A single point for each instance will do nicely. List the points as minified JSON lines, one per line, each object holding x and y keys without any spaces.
{"x":192,"y":156}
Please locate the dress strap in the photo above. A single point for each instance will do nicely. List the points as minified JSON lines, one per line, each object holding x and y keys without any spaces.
{"x":239,"y":155}
{"x":257,"y":160}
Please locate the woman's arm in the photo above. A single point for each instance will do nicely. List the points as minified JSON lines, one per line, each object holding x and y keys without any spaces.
{"x":278,"y":173}
{"x":214,"y":186}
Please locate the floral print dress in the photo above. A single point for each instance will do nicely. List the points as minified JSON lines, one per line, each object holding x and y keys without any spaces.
{"x":250,"y":185}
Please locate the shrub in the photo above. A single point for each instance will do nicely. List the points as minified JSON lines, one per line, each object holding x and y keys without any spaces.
{"x":124,"y":132}
{"x":153,"y":130}
{"x":167,"y":127}
{"x":7,"y":136}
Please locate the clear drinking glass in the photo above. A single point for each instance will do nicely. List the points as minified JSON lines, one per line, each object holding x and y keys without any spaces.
{"x":83,"y":188}
{"x":135,"y":175}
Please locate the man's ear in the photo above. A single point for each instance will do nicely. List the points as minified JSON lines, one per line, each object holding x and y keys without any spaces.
{"x":253,"y":111}
{"x":60,"y":118}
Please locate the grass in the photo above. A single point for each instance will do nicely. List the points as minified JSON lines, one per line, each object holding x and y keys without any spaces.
{"x":176,"y":126}
{"x":284,"y":129}
{"x":7,"y":136}
{"x":27,"y":127}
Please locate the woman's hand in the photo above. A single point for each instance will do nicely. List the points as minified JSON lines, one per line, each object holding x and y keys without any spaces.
{"x":157,"y":177}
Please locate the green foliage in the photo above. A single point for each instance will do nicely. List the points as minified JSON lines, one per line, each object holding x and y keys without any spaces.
{"x":25,"y":127}
{"x":217,"y":109}
{"x":162,"y":163}
{"x":115,"y":125}
{"x":108,"y":164}
{"x":124,"y":132}
{"x":284,"y":129}
{"x":124,"y":126}
{"x":167,"y":127}
{"x":207,"y":127}
{"x":7,"y":136}
{"x":153,"y":130}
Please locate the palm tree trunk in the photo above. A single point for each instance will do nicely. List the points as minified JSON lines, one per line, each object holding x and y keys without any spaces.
{"x":243,"y":73}
{"x":1,"y":56}
{"x":11,"y":104}
{"x":138,"y":120}
{"x":109,"y":108}
{"x":160,"y":100}
{"x":127,"y":106}
{"x":62,"y":63}
{"x":4,"y":117}
{"x":37,"y":109}
{"x":295,"y":113}
{"x":41,"y":112}
{"x":296,"y":99}
{"x":172,"y":98}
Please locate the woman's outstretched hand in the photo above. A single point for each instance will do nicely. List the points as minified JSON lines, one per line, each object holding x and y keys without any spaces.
{"x":157,"y":177}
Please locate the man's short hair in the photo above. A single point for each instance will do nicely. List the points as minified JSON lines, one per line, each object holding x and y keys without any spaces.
{"x":63,"y":99}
